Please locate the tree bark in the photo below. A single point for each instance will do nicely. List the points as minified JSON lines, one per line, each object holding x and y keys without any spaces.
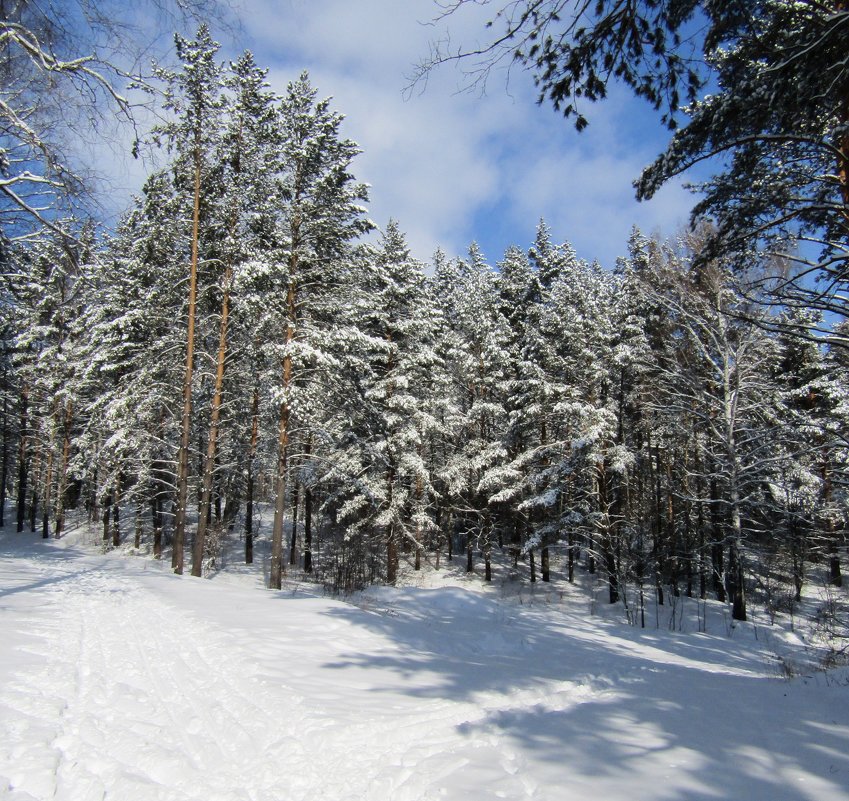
{"x":35,"y":481}
{"x":139,"y":526}
{"x":214,"y":423}
{"x":107,"y":510}
{"x":277,"y":566}
{"x":307,"y":530}
{"x":4,"y":469}
{"x":717,"y":558}
{"x":249,"y":504}
{"x":116,"y":515}
{"x":23,"y":464}
{"x":296,"y":502}
{"x":48,"y":483}
{"x":178,"y":545}
{"x":61,"y":490}
{"x":156,"y":516}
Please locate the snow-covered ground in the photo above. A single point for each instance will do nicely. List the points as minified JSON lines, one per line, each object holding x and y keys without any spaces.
{"x":119,"y":680}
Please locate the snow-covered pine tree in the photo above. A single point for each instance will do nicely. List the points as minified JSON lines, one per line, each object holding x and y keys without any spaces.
{"x":135,"y":294}
{"x":478,"y":368}
{"x":48,"y":308}
{"x":393,"y":489}
{"x":320,"y":213}
{"x":722,"y":380}
{"x":193,"y":94}
{"x":246,"y":167}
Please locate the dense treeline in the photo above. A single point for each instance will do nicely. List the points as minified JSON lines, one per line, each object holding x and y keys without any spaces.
{"x":236,"y":342}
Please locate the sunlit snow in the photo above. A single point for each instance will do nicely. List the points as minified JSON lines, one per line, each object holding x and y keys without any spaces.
{"x":119,"y":680}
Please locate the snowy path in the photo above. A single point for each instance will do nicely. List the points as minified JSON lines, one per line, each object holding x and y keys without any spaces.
{"x":120,"y":681}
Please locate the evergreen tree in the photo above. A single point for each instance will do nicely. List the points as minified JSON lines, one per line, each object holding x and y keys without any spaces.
{"x":193,"y":94}
{"x":394,"y":486}
{"x":320,"y":214}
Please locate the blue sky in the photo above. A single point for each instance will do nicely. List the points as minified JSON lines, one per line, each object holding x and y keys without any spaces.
{"x":453,"y":167}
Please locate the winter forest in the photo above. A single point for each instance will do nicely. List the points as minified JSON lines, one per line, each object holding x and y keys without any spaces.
{"x":236,"y":345}
{"x":289,"y":512}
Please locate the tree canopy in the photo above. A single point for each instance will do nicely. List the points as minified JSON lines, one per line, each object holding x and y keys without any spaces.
{"x":759,"y":89}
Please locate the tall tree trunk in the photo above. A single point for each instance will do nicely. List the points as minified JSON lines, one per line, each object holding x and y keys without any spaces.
{"x":214,"y":423}
{"x":736,"y":567}
{"x":139,"y":526}
{"x":35,"y":480}
{"x":418,"y":500}
{"x":23,"y":462}
{"x":392,"y":560}
{"x":606,"y":534}
{"x":178,"y":544}
{"x":4,"y":468}
{"x":307,"y":530}
{"x":277,"y":565}
{"x":249,"y":505}
{"x":62,"y":487}
{"x":156,"y":516}
{"x":48,"y":484}
{"x":296,"y":502}
{"x":835,"y":577}
{"x":91,"y":497}
{"x":545,"y":567}
{"x":717,"y":559}
{"x":107,"y":511}
{"x":116,"y":514}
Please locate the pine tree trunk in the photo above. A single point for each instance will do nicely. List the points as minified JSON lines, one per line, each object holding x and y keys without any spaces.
{"x":276,"y":574}
{"x":91,"y":496}
{"x":418,"y":501}
{"x":4,"y":468}
{"x":606,"y":535}
{"x":835,"y":577}
{"x":139,"y":526}
{"x":22,"y":461}
{"x":156,"y":516}
{"x":178,"y":544}
{"x":736,"y":567}
{"x":307,"y":530}
{"x":533,"y":561}
{"x":249,"y":507}
{"x":546,"y":564}
{"x":717,"y":557}
{"x":36,"y":479}
{"x":487,"y":565}
{"x":214,"y":423}
{"x":277,"y":566}
{"x":116,"y":515}
{"x":391,"y":555}
{"x":62,"y":487}
{"x":48,"y":483}
{"x":296,"y":502}
{"x":107,"y":511}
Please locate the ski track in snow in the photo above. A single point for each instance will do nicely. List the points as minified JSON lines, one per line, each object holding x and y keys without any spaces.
{"x":121,"y":682}
{"x":135,"y":699}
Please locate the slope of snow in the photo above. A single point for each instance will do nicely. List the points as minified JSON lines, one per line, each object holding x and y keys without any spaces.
{"x":119,"y":680}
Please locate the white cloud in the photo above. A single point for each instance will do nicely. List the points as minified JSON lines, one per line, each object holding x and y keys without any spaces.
{"x":452,"y":167}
